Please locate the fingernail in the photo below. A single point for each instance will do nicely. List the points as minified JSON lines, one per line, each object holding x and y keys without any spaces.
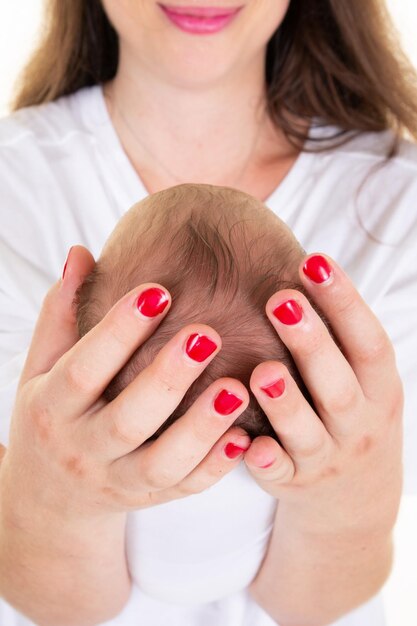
{"x":226,"y":402}
{"x":152,"y":302}
{"x":288,"y":312}
{"x":275,"y":389}
{"x":232,"y":451}
{"x":199,"y":347}
{"x":267,"y":464}
{"x":317,"y":269}
{"x":66,"y":263}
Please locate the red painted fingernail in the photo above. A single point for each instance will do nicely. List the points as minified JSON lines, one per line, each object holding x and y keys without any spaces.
{"x":152,"y":302}
{"x":226,"y":402}
{"x":275,"y":389}
{"x":288,"y":312}
{"x":66,"y":263}
{"x":233,"y":451}
{"x":199,"y":347}
{"x":317,"y":269}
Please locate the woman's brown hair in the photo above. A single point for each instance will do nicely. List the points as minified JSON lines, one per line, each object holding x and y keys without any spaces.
{"x":337,"y":61}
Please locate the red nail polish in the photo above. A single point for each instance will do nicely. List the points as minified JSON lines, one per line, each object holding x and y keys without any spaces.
{"x":152,"y":302}
{"x":199,"y":347}
{"x":233,"y":451}
{"x":226,"y":402}
{"x":66,"y":263}
{"x":288,"y":312}
{"x":317,"y":269}
{"x":275,"y":389}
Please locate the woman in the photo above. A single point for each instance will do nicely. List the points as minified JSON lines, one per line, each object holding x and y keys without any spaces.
{"x":301,"y":105}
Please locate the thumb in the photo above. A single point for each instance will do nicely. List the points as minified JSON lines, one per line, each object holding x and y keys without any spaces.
{"x":55,"y":330}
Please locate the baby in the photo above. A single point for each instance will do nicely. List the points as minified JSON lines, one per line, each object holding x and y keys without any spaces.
{"x":221,"y":254}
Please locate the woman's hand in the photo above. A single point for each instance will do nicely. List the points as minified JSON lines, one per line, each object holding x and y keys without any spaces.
{"x":339,"y":469}
{"x":73,"y":454}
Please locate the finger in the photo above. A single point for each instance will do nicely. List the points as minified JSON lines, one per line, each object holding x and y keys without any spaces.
{"x":78,"y":379}
{"x":362,"y":337}
{"x":269,"y":464}
{"x":299,"y":429}
{"x":325,"y":371}
{"x":212,"y":468}
{"x":152,"y":396}
{"x":55,"y":331}
{"x":180,"y":448}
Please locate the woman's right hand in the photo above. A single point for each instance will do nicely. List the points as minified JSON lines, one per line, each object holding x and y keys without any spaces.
{"x":75,"y":455}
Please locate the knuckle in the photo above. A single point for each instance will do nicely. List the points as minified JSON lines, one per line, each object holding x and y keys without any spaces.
{"x":380,"y":347}
{"x":79,"y":378}
{"x":329,"y":471}
{"x":363,"y":444}
{"x":189,"y":487}
{"x":339,"y":403}
{"x":75,"y":465}
{"x":121,"y":500}
{"x":39,"y":410}
{"x":285,"y":428}
{"x":120,"y":431}
{"x":310,"y":449}
{"x":41,"y":417}
{"x":205,"y":476}
{"x":157,"y":477}
{"x":283,"y":473}
{"x":131,"y":502}
{"x":308,"y":343}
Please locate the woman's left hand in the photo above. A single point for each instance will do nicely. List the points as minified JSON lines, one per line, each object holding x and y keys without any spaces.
{"x":339,"y":469}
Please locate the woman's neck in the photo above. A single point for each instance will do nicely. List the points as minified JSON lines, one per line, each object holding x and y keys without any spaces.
{"x":219,"y":134}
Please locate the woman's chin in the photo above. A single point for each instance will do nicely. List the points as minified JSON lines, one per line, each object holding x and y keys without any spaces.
{"x":192,"y":71}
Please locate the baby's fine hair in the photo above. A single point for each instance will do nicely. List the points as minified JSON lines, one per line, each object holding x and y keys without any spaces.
{"x":219,"y":255}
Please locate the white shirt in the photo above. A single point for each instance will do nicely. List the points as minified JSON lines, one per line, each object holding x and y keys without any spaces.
{"x":65,"y":179}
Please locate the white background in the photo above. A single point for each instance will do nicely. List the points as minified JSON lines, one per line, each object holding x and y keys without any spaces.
{"x":20,"y":21}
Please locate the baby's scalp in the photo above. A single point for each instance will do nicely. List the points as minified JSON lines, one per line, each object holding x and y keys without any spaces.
{"x":217,"y":207}
{"x":221,"y":254}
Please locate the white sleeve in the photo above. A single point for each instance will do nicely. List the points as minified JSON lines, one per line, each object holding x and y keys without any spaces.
{"x":397,"y":312}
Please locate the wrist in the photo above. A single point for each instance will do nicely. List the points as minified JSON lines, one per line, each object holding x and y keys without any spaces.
{"x":317,"y":524}
{"x":313,"y":578}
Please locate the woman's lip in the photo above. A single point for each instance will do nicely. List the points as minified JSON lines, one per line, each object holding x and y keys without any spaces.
{"x":200,"y":11}
{"x":197,"y":23}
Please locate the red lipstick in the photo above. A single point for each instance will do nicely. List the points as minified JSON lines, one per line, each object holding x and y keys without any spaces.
{"x":200,"y":20}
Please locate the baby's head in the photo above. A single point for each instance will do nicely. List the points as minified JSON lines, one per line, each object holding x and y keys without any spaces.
{"x":221,"y":254}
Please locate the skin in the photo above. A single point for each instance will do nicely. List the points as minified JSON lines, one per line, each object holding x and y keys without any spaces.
{"x":189,"y":100}
{"x":78,"y":464}
{"x":101,"y":469}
